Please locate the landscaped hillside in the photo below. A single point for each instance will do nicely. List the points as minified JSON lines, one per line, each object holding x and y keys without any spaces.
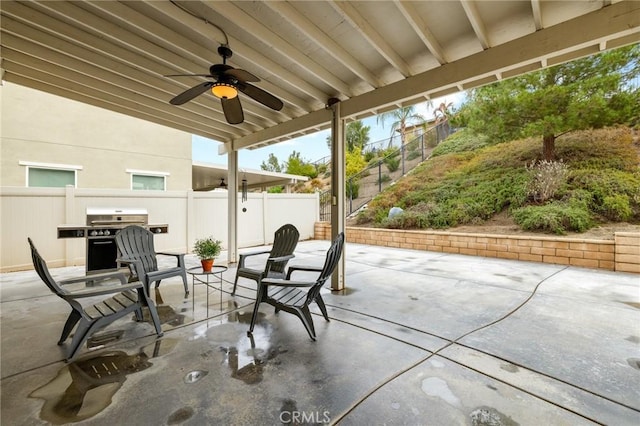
{"x":467,"y":181}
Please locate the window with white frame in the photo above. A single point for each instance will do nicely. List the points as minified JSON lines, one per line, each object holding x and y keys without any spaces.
{"x":147,"y":180}
{"x":50,"y":175}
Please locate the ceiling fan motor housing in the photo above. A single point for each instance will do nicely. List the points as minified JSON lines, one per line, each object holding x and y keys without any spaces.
{"x":225,"y":52}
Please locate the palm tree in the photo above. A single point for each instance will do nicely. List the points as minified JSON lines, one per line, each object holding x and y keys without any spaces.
{"x":357,"y":136}
{"x":402,"y":118}
{"x":442,"y":114}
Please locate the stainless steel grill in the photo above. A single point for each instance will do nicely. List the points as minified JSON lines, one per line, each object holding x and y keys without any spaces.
{"x":102,"y":224}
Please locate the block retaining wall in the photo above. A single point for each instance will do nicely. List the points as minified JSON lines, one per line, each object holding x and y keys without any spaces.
{"x":620,"y":254}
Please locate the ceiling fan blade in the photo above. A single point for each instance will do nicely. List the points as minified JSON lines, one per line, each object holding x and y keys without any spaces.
{"x":189,"y":75}
{"x":232,"y":110}
{"x":189,"y":94}
{"x":261,"y":96}
{"x":241,"y":75}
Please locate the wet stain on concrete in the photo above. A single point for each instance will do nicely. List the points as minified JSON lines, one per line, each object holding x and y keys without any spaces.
{"x":103,"y":375}
{"x":487,"y":416}
{"x":85,"y":387}
{"x":413,"y":298}
{"x":103,"y":339}
{"x":244,"y":317}
{"x":510,"y":368}
{"x":436,"y":363}
{"x":634,"y":362}
{"x":633,"y":339}
{"x":435,"y":386}
{"x":167,"y":315}
{"x":181,"y":415}
{"x":511,"y":277}
{"x":194,"y":376}
{"x":344,"y":292}
{"x":288,"y":406}
{"x":248,"y":366}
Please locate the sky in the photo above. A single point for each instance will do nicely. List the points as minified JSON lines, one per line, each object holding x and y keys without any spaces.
{"x":312,"y":147}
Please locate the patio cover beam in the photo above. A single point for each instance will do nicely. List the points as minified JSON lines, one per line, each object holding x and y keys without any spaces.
{"x":607,"y":25}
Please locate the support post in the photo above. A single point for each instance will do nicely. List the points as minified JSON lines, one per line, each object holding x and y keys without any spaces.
{"x":337,"y":188}
{"x":232,"y":202}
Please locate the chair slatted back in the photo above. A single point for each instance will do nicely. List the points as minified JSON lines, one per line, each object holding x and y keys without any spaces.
{"x":330,"y":264}
{"x":136,"y":242}
{"x":43,"y":271}
{"x":285,"y":241}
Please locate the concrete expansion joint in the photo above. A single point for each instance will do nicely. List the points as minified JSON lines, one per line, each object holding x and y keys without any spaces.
{"x":450,"y":342}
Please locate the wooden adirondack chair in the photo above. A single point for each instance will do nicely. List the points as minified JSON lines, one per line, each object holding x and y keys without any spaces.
{"x":135,"y":245}
{"x":295,"y":296}
{"x":90,"y":318}
{"x":285,"y":241}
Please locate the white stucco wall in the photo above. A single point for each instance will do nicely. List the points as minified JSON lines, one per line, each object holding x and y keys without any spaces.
{"x":43,"y":128}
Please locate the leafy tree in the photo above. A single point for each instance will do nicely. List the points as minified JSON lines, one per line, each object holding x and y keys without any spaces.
{"x":298,"y":166}
{"x":592,"y":92}
{"x":402,"y":118}
{"x":354,"y":163}
{"x":356,"y":137}
{"x":272,"y":164}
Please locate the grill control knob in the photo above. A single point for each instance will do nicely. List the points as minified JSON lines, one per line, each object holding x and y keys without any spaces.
{"x":94,"y":233}
{"x":106,"y":232}
{"x":100,"y":232}
{"x":158,"y":230}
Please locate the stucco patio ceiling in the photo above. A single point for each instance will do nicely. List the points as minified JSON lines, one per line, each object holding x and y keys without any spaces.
{"x":373,"y":56}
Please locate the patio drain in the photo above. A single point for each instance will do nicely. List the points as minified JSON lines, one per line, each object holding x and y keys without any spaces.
{"x":194,"y":376}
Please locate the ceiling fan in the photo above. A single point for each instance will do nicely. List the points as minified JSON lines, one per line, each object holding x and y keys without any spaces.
{"x":227,"y":82}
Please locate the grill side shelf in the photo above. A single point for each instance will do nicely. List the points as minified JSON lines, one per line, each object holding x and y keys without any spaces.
{"x":72,"y":232}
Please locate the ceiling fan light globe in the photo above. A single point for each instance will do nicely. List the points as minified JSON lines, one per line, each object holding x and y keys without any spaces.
{"x":224,"y":90}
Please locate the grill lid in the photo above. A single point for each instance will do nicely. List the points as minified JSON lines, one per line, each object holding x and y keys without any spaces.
{"x":100,"y":216}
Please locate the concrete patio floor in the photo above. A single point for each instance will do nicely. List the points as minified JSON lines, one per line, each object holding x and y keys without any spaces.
{"x":418,"y":338}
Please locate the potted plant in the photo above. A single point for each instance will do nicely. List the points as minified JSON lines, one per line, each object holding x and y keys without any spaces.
{"x":207,"y":249}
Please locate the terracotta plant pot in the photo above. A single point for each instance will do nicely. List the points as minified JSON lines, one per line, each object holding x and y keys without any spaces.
{"x":207,"y":264}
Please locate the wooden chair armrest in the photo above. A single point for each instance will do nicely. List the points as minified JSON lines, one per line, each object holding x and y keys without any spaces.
{"x":305,"y":268}
{"x":96,"y":277}
{"x":98,"y":291}
{"x":285,"y":283}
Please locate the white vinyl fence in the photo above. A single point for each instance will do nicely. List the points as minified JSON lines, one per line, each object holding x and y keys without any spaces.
{"x":37,"y":213}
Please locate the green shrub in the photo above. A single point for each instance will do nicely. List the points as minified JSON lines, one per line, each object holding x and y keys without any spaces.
{"x":556,"y":217}
{"x":617,"y":208}
{"x":462,"y":140}
{"x":354,"y":163}
{"x":322,"y":168}
{"x":414,"y":154}
{"x":278,"y":189}
{"x":369,"y":155}
{"x":392,"y":163}
{"x":384,"y":178}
